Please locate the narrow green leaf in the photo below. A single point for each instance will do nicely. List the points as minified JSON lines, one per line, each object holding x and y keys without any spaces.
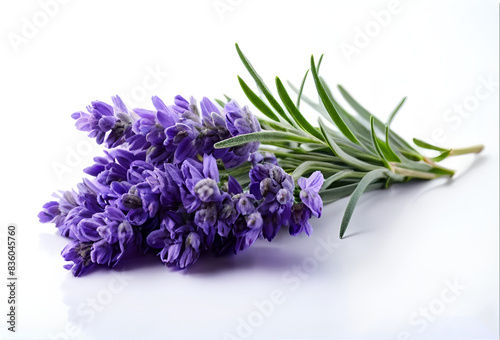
{"x":369,"y":178}
{"x":256,"y":101}
{"x":310,"y":156}
{"x":227,"y":98}
{"x":412,"y":156}
{"x":361,"y":133}
{"x":393,"y":114}
{"x":385,"y":150}
{"x":347,"y":146}
{"x":329,"y":106}
{"x":426,"y":145}
{"x":277,"y":126}
{"x":339,"y":175}
{"x":348,"y":159}
{"x":414,"y":173}
{"x":319,"y":63}
{"x":355,"y":105}
{"x":301,"y":88}
{"x":220,"y":102}
{"x":240,"y":170}
{"x":439,"y":170}
{"x":442,"y":156}
{"x":265,"y":137}
{"x":260,"y":84}
{"x":376,"y":143}
{"x":311,"y":166}
{"x":424,"y":167}
{"x":393,"y":157}
{"x":334,"y":194}
{"x":294,"y":112}
{"x":320,"y":108}
{"x":378,"y":123}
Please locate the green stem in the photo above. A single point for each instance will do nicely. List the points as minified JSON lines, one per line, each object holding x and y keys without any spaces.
{"x":439,"y":167}
{"x":414,"y":173}
{"x":302,"y":156}
{"x":464,"y":151}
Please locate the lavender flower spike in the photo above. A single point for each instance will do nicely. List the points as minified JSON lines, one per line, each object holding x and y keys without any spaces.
{"x":311,"y":204}
{"x":309,"y":194}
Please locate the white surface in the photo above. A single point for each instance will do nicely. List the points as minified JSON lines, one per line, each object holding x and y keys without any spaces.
{"x":405,"y":245}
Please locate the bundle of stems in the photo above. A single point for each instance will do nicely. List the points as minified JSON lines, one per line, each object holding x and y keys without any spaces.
{"x":355,"y":152}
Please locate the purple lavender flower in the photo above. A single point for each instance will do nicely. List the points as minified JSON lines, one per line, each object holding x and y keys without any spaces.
{"x":309,"y":193}
{"x":51,"y":213}
{"x":129,"y":201}
{"x":240,"y":120}
{"x":150,"y":131}
{"x":202,"y":192}
{"x":272,"y":184}
{"x":311,"y":204}
{"x":259,"y":172}
{"x":264,"y":158}
{"x":199,"y":182}
{"x":97,"y":121}
{"x":226,"y":216}
{"x":122,"y":129}
{"x":102,"y":252}
{"x":114,"y":166}
{"x":246,"y":230}
{"x":157,"y":186}
{"x":114,"y":227}
{"x":180,"y":247}
{"x":72,"y":207}
{"x":79,"y":254}
{"x":183,"y":137}
{"x":102,"y":118}
{"x":160,"y":189}
{"x":300,"y":220}
{"x":196,"y":134}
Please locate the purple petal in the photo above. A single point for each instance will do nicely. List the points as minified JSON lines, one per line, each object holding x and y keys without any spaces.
{"x":156,"y":239}
{"x":207,"y":107}
{"x":312,"y":200}
{"x":118,"y":103}
{"x":251,"y":236}
{"x":173,"y":252}
{"x":137,"y":216}
{"x":234,"y":187}
{"x":148,"y":114}
{"x":103,"y":108}
{"x":88,"y":229}
{"x":77,"y":115}
{"x":106,"y":123}
{"x":315,"y":181}
{"x":101,"y":252}
{"x":210,"y":168}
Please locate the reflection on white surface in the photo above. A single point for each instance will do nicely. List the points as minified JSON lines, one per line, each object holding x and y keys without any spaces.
{"x":390,"y":271}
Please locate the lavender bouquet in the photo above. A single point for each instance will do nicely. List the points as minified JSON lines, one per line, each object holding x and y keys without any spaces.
{"x":186,"y":179}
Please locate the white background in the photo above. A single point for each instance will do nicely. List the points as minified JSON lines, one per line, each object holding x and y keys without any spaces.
{"x":390,"y":278}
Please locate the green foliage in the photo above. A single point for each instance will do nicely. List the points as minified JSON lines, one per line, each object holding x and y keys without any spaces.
{"x":346,"y":148}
